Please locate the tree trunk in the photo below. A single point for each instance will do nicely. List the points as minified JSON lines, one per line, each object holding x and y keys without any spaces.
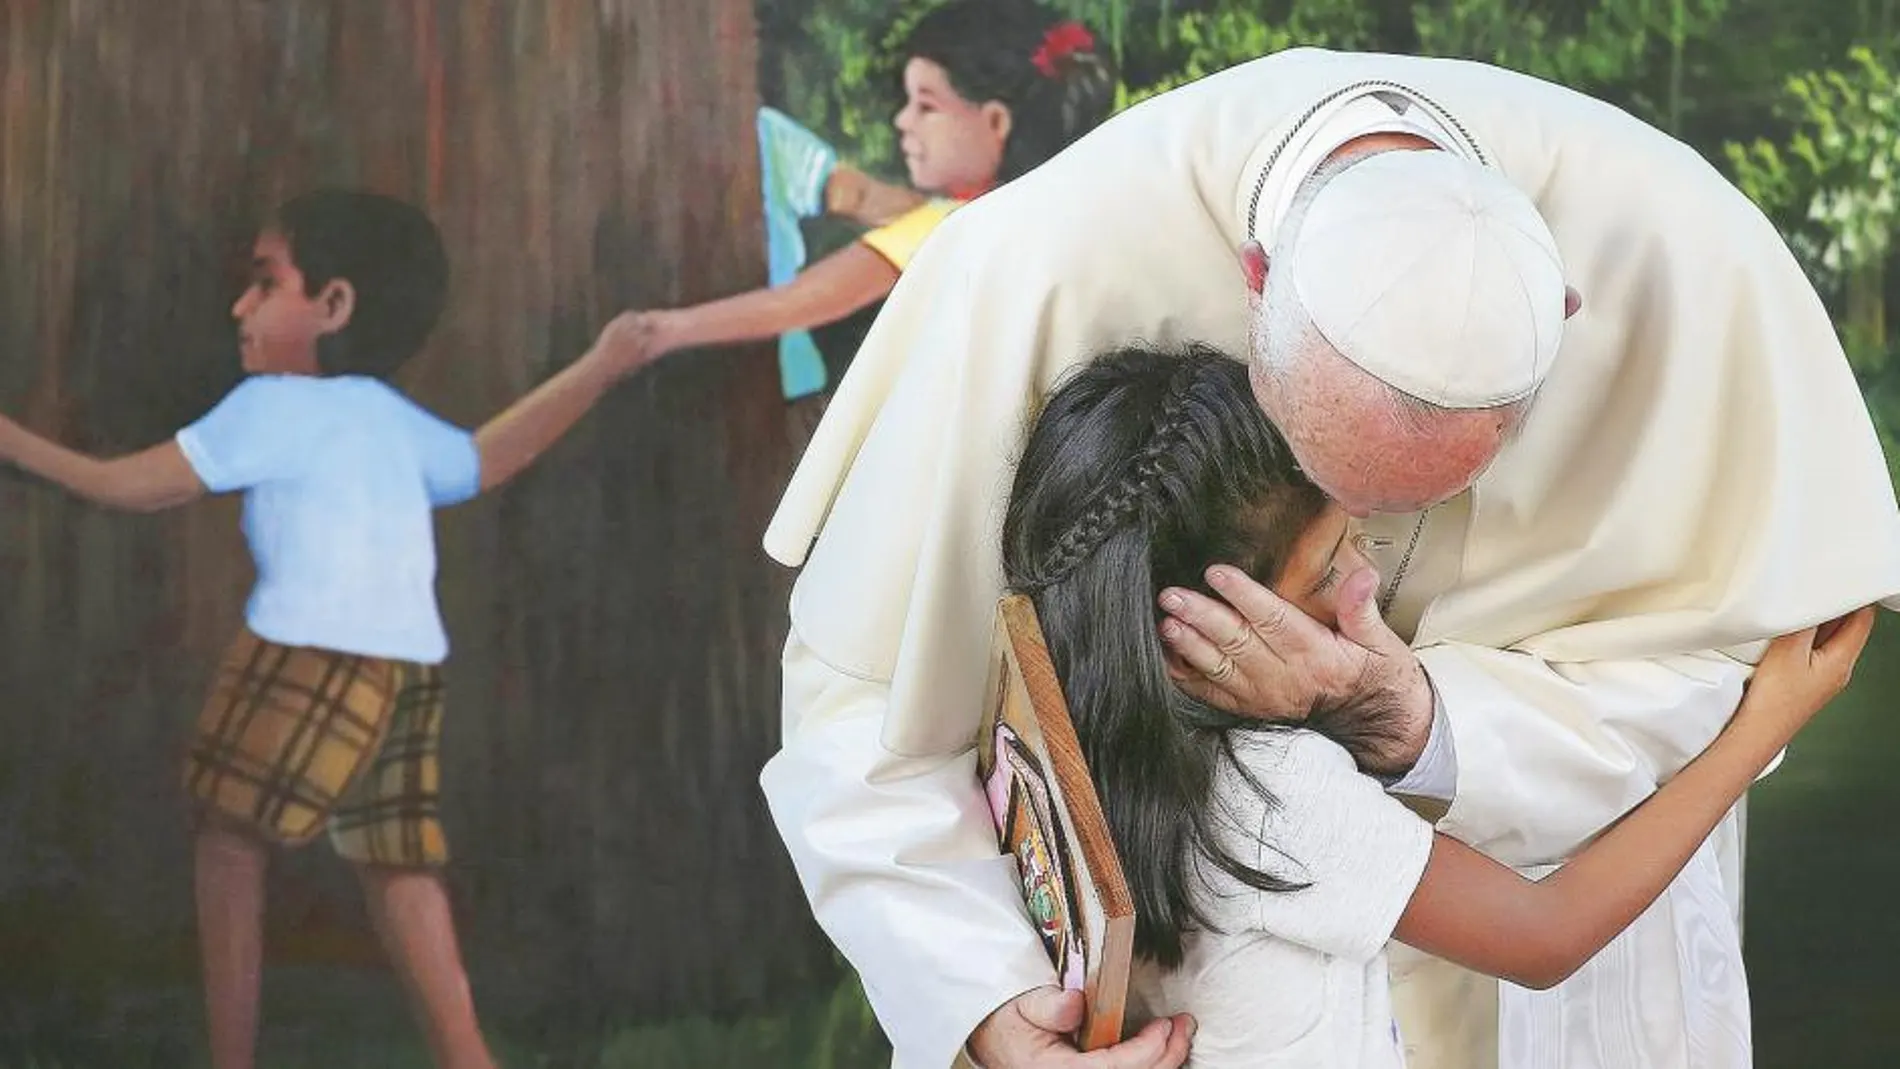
{"x":615,"y":626}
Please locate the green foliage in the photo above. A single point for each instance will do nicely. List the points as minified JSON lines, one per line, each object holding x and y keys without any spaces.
{"x":1840,"y":168}
{"x":1228,"y":32}
{"x":827,"y":64}
{"x":1883,"y":399}
{"x":1834,"y":186}
{"x":1628,"y":49}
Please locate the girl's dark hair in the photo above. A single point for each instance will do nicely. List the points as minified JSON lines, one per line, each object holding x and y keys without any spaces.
{"x":1144,"y":468}
{"x":392,"y":256}
{"x":1046,"y":69}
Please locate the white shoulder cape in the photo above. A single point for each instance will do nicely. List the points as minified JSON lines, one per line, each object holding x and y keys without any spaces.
{"x":1700,"y":471}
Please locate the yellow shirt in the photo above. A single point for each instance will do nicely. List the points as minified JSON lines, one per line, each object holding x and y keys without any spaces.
{"x":899,"y":239}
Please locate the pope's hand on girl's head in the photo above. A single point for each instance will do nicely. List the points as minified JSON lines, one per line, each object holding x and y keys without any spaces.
{"x":1253,"y":654}
{"x":1233,"y":654}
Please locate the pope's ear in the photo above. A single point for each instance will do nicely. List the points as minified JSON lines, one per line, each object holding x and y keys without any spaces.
{"x":1253,"y":267}
{"x":1573,"y":301}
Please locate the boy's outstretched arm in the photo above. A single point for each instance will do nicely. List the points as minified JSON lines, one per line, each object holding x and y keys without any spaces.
{"x":153,"y":479}
{"x":518,"y":436}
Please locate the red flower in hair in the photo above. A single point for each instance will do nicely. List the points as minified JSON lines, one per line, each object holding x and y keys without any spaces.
{"x":1063,"y":40}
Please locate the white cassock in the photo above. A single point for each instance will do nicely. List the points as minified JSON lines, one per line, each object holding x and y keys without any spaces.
{"x":1699,"y":474}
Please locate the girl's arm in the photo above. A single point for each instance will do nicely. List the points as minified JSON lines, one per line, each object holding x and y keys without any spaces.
{"x":1473,"y":911}
{"x":828,"y":290}
{"x":156,"y":478}
{"x":866,"y":201}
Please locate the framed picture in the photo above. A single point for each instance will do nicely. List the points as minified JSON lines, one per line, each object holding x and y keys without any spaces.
{"x":1048,"y":817}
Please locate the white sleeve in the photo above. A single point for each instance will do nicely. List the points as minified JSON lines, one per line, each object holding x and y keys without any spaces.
{"x":450,"y":456}
{"x":1361,"y":851}
{"x":262,"y":430}
{"x":900,"y":862}
{"x":1435,"y":774}
{"x":1548,"y":754}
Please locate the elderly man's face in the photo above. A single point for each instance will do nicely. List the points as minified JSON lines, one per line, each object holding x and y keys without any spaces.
{"x":1366,"y":453}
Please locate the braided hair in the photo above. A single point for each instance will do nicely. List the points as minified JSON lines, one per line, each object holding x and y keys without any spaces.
{"x":1143,"y":468}
{"x":1044,"y":69}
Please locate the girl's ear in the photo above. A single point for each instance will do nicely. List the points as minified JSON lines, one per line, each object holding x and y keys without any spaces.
{"x":998,"y":120}
{"x":338,"y":302}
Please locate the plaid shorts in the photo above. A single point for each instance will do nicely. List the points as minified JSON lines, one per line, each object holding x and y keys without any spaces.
{"x":294,"y":741}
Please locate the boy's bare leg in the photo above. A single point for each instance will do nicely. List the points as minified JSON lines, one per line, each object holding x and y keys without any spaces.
{"x":230,"y":868}
{"x":411,"y":911}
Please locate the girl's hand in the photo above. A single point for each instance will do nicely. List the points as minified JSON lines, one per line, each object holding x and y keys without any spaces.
{"x":857,"y":196}
{"x":845,"y":191}
{"x":1802,"y":672}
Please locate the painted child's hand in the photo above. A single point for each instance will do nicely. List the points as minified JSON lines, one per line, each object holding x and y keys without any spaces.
{"x":845,"y":191}
{"x":631,"y":341}
{"x":1802,"y":672}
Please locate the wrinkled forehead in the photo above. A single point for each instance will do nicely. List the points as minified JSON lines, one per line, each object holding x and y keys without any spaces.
{"x":1370,"y":449}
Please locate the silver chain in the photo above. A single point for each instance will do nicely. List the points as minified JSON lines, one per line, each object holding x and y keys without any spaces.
{"x":1398,"y":576}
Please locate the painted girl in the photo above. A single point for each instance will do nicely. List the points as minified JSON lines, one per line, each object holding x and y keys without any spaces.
{"x":992,"y":88}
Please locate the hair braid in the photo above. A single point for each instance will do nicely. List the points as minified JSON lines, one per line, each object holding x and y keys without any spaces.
{"x":1132,"y":495}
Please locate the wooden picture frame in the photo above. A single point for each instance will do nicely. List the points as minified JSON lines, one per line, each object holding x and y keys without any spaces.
{"x":1049,"y":818}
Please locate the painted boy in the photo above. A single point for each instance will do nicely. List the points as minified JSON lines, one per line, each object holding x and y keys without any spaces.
{"x":326,"y":712}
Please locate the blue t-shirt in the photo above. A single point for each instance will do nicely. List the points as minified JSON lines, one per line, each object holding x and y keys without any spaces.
{"x":340,"y":478}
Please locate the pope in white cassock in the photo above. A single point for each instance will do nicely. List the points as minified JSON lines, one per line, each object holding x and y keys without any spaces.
{"x":1585,"y":528}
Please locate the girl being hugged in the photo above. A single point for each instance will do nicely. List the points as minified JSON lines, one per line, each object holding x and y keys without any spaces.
{"x":1268,"y":872}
